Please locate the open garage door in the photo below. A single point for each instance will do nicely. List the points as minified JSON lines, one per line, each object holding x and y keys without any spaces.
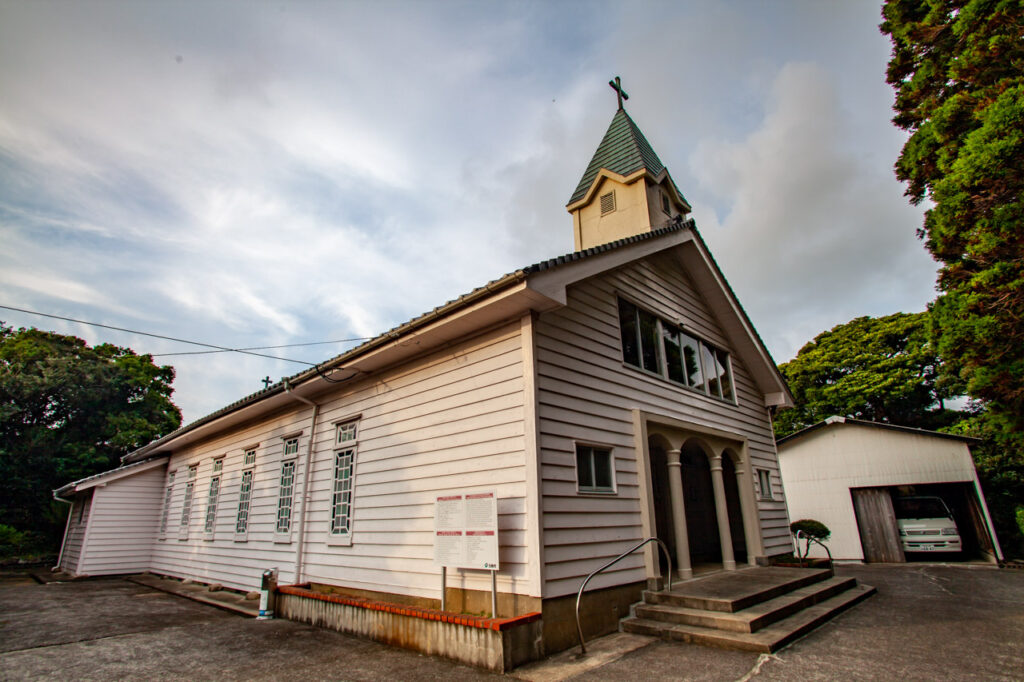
{"x":962,"y":500}
{"x":876,"y":521}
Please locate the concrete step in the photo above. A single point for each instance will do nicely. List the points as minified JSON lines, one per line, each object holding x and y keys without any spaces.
{"x":766,"y":640}
{"x":754,"y":617}
{"x":726,"y":594}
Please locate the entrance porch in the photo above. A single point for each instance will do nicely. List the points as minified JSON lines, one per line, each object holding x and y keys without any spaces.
{"x":700,"y":498}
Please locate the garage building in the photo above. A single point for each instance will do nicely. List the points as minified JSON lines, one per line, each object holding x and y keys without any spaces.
{"x":846,"y":472}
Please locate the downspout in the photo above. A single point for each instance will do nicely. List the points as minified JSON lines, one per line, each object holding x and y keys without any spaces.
{"x":67,"y":526}
{"x":301,"y":544}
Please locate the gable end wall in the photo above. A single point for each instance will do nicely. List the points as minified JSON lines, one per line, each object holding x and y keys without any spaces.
{"x":587,"y":393}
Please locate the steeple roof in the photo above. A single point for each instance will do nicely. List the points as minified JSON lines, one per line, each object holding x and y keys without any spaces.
{"x":624,"y":150}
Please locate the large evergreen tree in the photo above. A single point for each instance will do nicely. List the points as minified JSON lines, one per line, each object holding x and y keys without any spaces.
{"x":68,"y":410}
{"x":958,"y":70}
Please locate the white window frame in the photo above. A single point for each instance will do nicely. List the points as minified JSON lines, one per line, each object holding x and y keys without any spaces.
{"x":594,"y":449}
{"x":187,"y":501}
{"x":213,"y":499}
{"x":165,"y":513}
{"x":764,"y":484}
{"x":289,"y":460}
{"x":346,"y":441}
{"x":244,"y":497}
{"x":662,"y":359}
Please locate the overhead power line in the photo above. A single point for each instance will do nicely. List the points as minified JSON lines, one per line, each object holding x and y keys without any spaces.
{"x":216,"y":348}
{"x":287,"y":345}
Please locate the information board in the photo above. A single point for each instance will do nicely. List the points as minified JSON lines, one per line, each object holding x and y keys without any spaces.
{"x":466,"y":531}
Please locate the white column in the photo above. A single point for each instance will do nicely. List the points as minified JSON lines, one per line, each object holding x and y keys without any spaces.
{"x":749,"y":515}
{"x":675,"y":483}
{"x":722,"y":509}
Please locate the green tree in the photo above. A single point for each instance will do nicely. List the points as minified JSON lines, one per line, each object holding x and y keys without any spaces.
{"x":68,"y":410}
{"x":880,"y":369}
{"x":958,"y":70}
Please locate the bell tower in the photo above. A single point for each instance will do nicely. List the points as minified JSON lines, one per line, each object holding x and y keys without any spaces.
{"x":626,"y":190}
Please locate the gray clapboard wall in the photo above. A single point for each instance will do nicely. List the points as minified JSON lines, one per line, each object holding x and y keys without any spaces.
{"x":585,"y":392}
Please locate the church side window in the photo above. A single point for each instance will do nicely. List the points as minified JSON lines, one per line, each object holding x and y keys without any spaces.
{"x":284,"y":498}
{"x":764,"y":484}
{"x":344,"y":474}
{"x":244,"y":496}
{"x":186,"y":505}
{"x":165,"y":515}
{"x":663,"y":348}
{"x":286,"y":487}
{"x":212,"y":497}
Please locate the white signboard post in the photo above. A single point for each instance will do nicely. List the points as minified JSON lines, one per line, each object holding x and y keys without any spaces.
{"x":466,"y":536}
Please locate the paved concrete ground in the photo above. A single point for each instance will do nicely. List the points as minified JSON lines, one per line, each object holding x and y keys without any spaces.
{"x":115,"y":630}
{"x":926,"y":623}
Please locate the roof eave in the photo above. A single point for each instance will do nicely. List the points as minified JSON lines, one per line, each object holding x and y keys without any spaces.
{"x":837,"y":420}
{"x":265,"y":400}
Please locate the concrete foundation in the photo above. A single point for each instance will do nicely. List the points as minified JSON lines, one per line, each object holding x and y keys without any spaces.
{"x":493,"y":643}
{"x":477,"y":602}
{"x":600,"y":613}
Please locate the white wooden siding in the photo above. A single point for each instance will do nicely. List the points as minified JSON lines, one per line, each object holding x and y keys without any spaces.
{"x":124,"y":517}
{"x":587,"y":393}
{"x":71,"y":556}
{"x":449,"y":421}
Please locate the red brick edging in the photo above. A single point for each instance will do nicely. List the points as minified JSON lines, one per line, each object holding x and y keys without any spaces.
{"x":496,"y":624}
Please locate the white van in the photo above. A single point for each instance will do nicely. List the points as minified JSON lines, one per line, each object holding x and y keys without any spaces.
{"x":926,"y":525}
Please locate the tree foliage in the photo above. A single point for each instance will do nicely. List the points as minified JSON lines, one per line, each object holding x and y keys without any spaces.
{"x":958,"y":70}
{"x":68,"y":410}
{"x":880,"y":369}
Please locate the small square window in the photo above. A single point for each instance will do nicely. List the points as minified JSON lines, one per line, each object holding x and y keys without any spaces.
{"x":291,"y":447}
{"x":764,"y":484}
{"x":346,"y":432}
{"x":608,"y":202}
{"x":250,"y":457}
{"x":218,"y":465}
{"x":595,"y":470}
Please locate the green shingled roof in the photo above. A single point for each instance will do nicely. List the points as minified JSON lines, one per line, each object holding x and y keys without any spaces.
{"x":624,"y":150}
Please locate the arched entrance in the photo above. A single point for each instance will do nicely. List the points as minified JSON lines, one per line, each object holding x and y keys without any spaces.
{"x":701,"y":501}
{"x":701,"y":518}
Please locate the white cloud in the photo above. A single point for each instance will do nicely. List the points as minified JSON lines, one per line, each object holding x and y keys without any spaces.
{"x":261,"y":173}
{"x":811,"y":235}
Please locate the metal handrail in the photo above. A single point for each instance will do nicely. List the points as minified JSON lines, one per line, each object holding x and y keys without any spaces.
{"x":579,"y":595}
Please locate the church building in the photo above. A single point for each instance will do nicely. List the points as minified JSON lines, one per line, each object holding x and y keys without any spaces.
{"x":606,"y":396}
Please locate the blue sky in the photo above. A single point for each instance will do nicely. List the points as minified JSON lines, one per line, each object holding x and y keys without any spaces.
{"x":262,"y":173}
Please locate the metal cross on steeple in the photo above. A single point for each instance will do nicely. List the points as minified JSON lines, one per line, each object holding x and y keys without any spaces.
{"x":617,"y":87}
{"x":266,"y":382}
